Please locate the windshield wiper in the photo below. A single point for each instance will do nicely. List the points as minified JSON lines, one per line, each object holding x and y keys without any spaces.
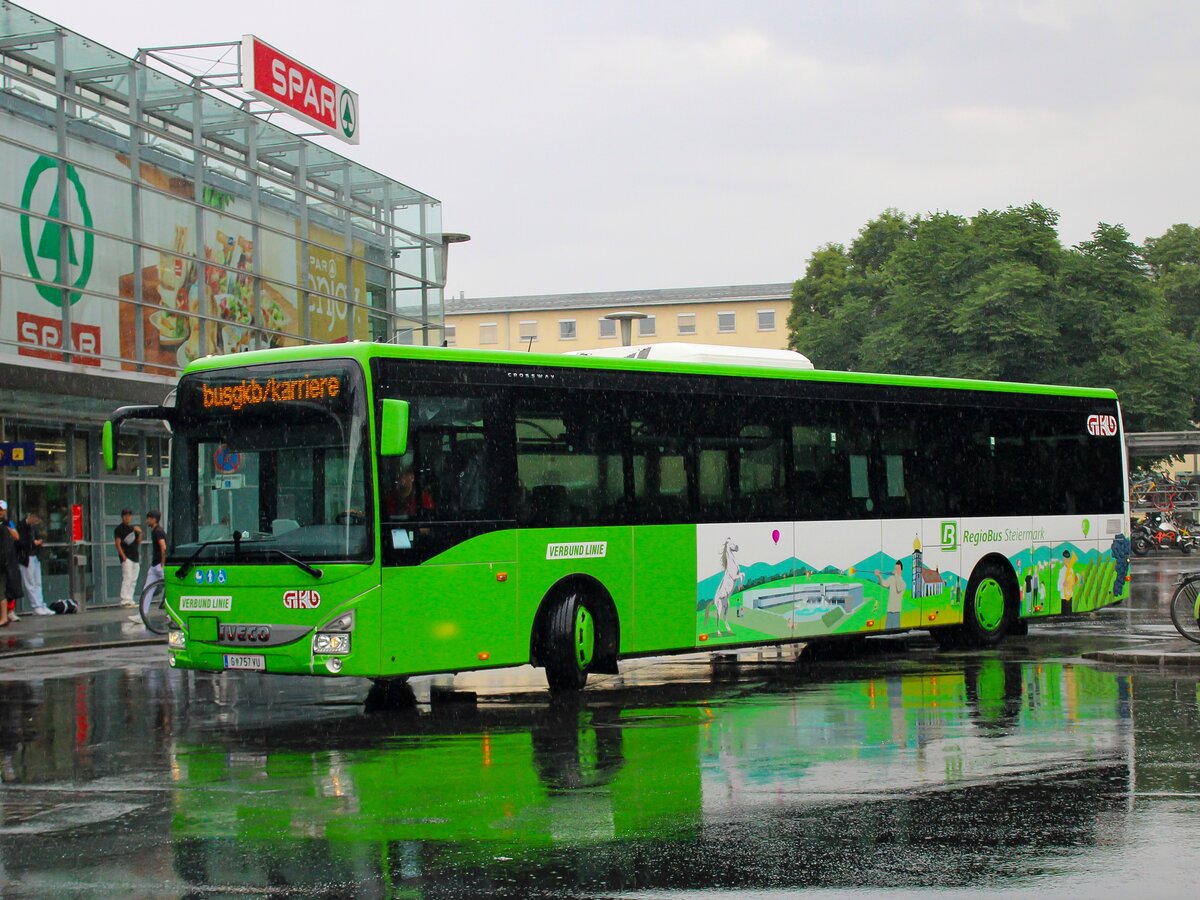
{"x":191,"y":560}
{"x":301,"y":564}
{"x":237,"y":542}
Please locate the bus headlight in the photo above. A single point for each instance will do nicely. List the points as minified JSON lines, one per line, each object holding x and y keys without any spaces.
{"x":334,"y":636}
{"x":176,"y":640}
{"x":330,"y":643}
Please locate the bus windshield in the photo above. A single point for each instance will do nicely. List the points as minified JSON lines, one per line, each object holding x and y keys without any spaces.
{"x":269,"y":466}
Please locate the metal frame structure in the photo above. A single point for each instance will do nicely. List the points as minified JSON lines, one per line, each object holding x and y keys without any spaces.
{"x":221,"y":139}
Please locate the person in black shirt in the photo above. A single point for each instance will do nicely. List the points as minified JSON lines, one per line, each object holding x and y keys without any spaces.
{"x":158,"y":543}
{"x":10,"y":574}
{"x":29,"y":553}
{"x":127,"y":536}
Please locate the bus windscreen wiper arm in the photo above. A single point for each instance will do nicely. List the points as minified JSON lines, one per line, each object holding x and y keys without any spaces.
{"x":311,"y":570}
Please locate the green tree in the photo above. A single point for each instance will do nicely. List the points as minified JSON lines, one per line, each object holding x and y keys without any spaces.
{"x":1116,"y":332}
{"x":837,"y":302}
{"x":1174,"y":263}
{"x":998,"y":296}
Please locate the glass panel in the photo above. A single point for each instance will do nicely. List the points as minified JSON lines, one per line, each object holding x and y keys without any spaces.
{"x":687,"y":323}
{"x":766,"y":320}
{"x":566,"y":330}
{"x":608,"y":328}
{"x":646,"y":326}
{"x":569,"y":460}
{"x":487,"y":334}
{"x":726,"y":321}
{"x":82,"y":456}
{"x":51,"y":446}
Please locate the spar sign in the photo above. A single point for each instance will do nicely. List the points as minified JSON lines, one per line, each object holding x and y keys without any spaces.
{"x":271,"y":75}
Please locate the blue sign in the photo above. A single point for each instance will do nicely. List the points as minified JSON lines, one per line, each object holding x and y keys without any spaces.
{"x":199,"y":576}
{"x":220,"y":576}
{"x":18,"y":453}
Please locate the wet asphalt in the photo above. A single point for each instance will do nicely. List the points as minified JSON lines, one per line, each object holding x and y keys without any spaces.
{"x":1065,"y":763}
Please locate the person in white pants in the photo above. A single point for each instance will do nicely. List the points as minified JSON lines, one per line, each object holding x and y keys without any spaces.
{"x":127,"y":537}
{"x":30,"y":552}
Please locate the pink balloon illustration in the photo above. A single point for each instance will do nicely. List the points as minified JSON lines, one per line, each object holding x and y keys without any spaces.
{"x":775,"y":535}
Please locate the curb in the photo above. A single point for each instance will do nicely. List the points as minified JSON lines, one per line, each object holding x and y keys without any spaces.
{"x":78,"y":648}
{"x":1146,"y":658}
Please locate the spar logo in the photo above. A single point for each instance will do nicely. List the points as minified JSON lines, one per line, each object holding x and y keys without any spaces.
{"x":1102,"y":426}
{"x":349,"y":108}
{"x":45,"y":180}
{"x":301,"y":599}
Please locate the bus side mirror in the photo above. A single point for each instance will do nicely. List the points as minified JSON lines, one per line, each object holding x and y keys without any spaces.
{"x":393,"y":430}
{"x":108,"y":447}
{"x":112,"y":428}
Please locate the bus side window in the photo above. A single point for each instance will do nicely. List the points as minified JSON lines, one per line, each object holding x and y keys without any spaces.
{"x":569,"y":459}
{"x":444,"y":477}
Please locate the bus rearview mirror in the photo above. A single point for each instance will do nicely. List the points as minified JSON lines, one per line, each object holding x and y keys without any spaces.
{"x":393,"y":431}
{"x":108,"y":448}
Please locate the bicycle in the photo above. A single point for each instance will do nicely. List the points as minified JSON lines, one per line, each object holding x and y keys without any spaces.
{"x":153,"y":607}
{"x":1185,"y":606}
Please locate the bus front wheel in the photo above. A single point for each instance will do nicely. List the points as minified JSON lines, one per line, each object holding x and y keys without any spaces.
{"x":570,"y":642}
{"x":989,"y":606}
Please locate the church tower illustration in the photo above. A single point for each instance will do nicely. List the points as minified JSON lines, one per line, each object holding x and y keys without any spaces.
{"x":925,"y":582}
{"x":918,"y":569}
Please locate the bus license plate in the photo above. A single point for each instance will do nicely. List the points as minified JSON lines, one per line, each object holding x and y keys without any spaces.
{"x":257,"y":662}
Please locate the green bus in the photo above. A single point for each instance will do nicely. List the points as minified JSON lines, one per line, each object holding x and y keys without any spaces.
{"x":378,"y":511}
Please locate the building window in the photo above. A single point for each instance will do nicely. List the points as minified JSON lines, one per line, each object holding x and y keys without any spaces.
{"x":687,"y":323}
{"x":566,"y":330}
{"x":726,"y":322}
{"x":528,"y":332}
{"x":451,"y":335}
{"x":608,"y":328}
{"x":766,"y":320}
{"x":646,"y":327}
{"x":487,"y":333}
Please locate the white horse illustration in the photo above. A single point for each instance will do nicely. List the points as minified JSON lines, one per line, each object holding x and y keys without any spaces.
{"x":729,"y":581}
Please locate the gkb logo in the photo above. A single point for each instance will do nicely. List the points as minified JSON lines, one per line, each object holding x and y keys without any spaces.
{"x":949,"y":536}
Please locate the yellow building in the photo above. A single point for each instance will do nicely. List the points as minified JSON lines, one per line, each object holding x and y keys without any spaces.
{"x":748,"y":315}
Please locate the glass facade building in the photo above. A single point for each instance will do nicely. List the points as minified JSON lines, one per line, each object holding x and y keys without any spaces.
{"x":145,"y":222}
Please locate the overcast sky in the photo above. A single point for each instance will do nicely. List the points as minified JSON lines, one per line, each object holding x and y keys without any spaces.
{"x":593,"y":145}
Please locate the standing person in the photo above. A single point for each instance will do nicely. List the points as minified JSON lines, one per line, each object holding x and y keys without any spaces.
{"x":158,"y":543}
{"x":127,"y":537}
{"x":10,"y":575}
{"x":29,"y":555}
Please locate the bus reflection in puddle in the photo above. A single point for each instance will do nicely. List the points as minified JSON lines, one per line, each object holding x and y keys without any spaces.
{"x":898,"y":779}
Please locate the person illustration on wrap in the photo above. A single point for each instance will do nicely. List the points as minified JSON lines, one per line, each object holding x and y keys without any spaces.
{"x":1067,"y":579}
{"x":895,"y":585}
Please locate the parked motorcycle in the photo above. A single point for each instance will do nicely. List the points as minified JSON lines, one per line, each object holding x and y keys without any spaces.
{"x":1158,"y":531}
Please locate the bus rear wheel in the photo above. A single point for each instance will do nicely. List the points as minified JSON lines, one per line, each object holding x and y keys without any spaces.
{"x":988,"y":607}
{"x":570,"y":642}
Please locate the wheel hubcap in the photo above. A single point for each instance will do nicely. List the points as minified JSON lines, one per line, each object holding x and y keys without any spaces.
{"x":585,"y":637}
{"x":989,"y":604}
